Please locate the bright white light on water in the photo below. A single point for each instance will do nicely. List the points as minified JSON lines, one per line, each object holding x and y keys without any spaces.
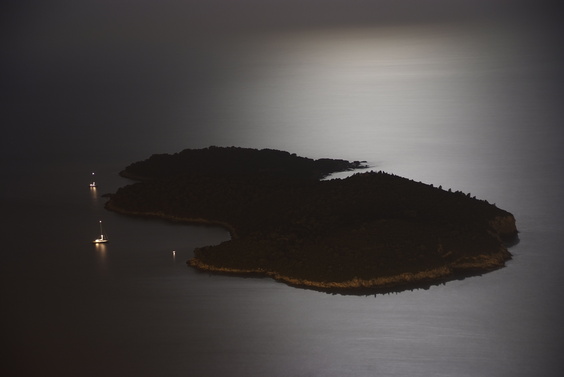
{"x":407,"y":95}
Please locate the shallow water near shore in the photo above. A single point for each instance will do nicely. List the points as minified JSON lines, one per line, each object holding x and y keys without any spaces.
{"x":465,"y":108}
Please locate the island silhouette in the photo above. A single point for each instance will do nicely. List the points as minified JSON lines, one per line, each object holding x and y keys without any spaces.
{"x":370,"y":232}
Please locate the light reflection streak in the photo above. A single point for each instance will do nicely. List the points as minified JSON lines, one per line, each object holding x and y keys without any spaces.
{"x":408,"y":86}
{"x":101,"y":251}
{"x":93,"y":193}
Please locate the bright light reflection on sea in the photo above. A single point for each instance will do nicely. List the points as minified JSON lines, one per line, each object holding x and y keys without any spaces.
{"x":101,"y":254}
{"x":93,"y":193}
{"x":415,"y":85}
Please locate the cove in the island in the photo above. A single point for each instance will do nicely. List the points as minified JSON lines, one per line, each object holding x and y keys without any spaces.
{"x":370,"y":232}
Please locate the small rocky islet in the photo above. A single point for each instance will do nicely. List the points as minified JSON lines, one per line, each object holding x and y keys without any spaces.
{"x":370,"y":232}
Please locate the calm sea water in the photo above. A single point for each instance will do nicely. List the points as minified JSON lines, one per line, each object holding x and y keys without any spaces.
{"x":471,"y":108}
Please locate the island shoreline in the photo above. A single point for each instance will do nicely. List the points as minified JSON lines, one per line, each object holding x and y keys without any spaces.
{"x":176,"y":219}
{"x":386,"y":284}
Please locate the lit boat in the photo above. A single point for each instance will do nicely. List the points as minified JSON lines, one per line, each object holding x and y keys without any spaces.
{"x":93,"y":184}
{"x":103,"y":238}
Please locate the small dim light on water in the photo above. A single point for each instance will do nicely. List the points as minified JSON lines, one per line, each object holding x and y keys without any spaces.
{"x":93,"y":193}
{"x":102,"y":252}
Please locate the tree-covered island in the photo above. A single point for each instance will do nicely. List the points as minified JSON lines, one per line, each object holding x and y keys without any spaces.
{"x":371,"y":231}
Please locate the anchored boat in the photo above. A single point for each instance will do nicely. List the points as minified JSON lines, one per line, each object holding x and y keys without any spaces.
{"x":103,"y":238}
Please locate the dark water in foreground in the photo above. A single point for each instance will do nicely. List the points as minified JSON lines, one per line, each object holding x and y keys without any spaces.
{"x":472,"y":109}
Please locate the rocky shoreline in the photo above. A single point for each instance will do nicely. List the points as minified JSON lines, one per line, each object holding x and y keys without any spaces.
{"x":371,"y":232}
{"x":161,"y":215}
{"x":422,"y":279}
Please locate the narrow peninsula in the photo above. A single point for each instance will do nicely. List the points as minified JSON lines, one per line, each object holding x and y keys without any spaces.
{"x":372,"y":231}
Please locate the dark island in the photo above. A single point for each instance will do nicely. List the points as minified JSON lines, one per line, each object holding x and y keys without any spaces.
{"x":371,"y":231}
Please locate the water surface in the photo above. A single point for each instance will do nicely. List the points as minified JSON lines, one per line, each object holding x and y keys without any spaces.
{"x":472,"y":108}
